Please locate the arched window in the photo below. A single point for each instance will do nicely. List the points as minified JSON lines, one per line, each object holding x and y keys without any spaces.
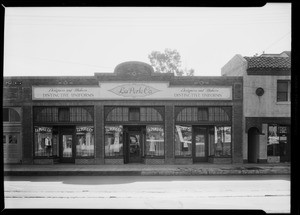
{"x":149,"y":114}
{"x":202,"y":114}
{"x":11,"y":115}
{"x":118,"y":114}
{"x":63,"y":114}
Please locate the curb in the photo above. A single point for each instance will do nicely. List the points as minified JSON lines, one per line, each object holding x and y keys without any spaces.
{"x":190,"y":172}
{"x":72,"y":173}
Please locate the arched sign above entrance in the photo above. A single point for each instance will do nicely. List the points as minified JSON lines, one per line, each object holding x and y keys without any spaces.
{"x":132,"y":91}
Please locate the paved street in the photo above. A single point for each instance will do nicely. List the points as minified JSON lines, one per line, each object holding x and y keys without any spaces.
{"x":267,"y":192}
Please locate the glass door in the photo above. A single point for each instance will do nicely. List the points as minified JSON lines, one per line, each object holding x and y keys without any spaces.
{"x":134,"y":147}
{"x":67,"y":148}
{"x":200,"y":144}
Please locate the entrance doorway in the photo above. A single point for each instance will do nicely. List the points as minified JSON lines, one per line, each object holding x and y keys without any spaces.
{"x":67,"y":145}
{"x":134,"y":139}
{"x":253,"y":145}
{"x":200,"y":143}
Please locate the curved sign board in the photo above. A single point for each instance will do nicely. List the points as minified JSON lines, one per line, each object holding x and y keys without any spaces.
{"x":132,"y":91}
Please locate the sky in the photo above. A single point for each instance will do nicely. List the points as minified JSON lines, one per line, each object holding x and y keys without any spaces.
{"x":81,"y":41}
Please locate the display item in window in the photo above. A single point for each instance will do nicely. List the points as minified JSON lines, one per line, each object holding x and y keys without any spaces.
{"x":152,"y":144}
{"x":219,"y":147}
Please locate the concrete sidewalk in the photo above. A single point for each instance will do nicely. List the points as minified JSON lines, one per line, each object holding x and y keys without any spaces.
{"x":146,"y":170}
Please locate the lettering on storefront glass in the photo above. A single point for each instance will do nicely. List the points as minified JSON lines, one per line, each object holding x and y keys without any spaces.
{"x":43,"y":129}
{"x":84,"y":129}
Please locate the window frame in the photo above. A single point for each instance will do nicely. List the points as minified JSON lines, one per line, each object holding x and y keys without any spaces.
{"x":146,"y":153}
{"x":231,"y":141}
{"x":143,"y":117}
{"x":51,"y":115}
{"x":214,"y":115}
{"x":121,"y":134}
{"x":54,"y":154}
{"x":275,"y":148}
{"x":10,"y":111}
{"x":92,"y":137}
{"x":181,"y":155}
{"x":288,"y":92}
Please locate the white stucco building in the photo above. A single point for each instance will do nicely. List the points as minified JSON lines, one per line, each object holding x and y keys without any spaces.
{"x":266,"y":105}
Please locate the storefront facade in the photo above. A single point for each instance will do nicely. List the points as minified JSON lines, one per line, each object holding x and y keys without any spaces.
{"x":130,"y":116}
{"x":266,"y":106}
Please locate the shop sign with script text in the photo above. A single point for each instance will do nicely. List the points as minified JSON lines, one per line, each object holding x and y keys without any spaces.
{"x":132,"y":91}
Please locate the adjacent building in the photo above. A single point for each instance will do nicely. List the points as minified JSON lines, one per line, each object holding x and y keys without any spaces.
{"x":132,"y":115}
{"x":266,"y":105}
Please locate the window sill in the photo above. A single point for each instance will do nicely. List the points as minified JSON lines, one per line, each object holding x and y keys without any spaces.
{"x":114,"y":157}
{"x":283,"y":103}
{"x":11,"y":123}
{"x":87,"y":157}
{"x":45,"y":157}
{"x":155,"y":157}
{"x":223,"y":156}
{"x":182,"y":156}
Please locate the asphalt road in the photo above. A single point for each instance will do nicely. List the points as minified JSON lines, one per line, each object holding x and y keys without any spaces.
{"x":270,"y":193}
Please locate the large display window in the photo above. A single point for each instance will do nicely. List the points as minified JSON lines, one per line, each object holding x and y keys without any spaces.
{"x":273,"y":141}
{"x":183,"y":140}
{"x":113,"y":140}
{"x":277,"y":140}
{"x":46,"y":141}
{"x":155,"y":140}
{"x":85,"y":141}
{"x":222,"y":143}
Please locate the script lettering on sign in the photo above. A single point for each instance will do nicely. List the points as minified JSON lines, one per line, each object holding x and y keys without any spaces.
{"x":134,"y":90}
{"x":52,"y":93}
{"x":208,"y":93}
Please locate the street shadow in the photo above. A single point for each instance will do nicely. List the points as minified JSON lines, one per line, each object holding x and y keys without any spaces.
{"x":105,"y":180}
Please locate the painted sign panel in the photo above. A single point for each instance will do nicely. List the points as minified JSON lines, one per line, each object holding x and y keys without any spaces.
{"x":133,"y":91}
{"x":65,"y":93}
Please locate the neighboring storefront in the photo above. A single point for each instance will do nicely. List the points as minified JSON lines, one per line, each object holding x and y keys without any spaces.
{"x":12,"y":131}
{"x":130,"y":116}
{"x":267,"y":105}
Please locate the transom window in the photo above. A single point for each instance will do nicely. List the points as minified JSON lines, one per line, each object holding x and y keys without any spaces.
{"x":10,"y":115}
{"x":203,"y":114}
{"x":63,"y":114}
{"x":133,"y":114}
{"x":149,"y":114}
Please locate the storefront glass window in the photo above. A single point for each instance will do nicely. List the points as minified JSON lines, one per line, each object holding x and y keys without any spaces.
{"x":155,"y":140}
{"x":12,"y":139}
{"x":283,"y":140}
{"x":113,"y":140}
{"x":85,"y":141}
{"x":222,"y":146}
{"x":183,"y":140}
{"x":45,"y":141}
{"x":273,"y":141}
